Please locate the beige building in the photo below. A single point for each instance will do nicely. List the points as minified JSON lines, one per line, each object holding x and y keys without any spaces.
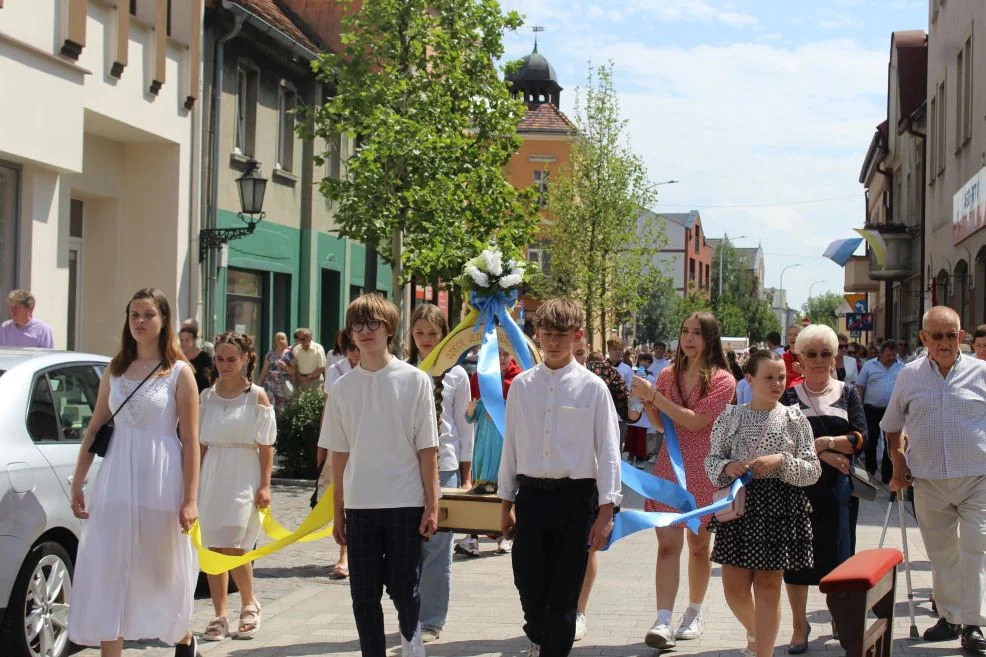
{"x":955,"y":244}
{"x":892,"y":174}
{"x":98,"y":167}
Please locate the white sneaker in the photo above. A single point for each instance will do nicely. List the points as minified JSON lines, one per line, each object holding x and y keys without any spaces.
{"x":579,"y":626}
{"x":692,"y":625}
{"x":660,"y":636}
{"x":468,"y":546}
{"x":415,"y":647}
{"x":534,"y":650}
{"x":504,"y":546}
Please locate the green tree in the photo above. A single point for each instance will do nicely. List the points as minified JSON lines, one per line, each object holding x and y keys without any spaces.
{"x":821,"y":309}
{"x":600,"y":248}
{"x":434,"y":125}
{"x":740,"y":311}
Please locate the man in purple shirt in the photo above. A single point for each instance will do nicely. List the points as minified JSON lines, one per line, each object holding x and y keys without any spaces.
{"x":22,"y":329}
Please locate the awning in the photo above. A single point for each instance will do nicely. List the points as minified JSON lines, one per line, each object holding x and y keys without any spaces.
{"x":840,"y":251}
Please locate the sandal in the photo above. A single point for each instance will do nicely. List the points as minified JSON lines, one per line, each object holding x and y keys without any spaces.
{"x":250,"y":619}
{"x":217,"y":630}
{"x":747,"y":651}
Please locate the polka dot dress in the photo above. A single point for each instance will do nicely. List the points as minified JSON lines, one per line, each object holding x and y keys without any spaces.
{"x":775,"y":531}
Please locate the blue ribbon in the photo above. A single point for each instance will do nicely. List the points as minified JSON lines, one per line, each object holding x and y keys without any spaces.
{"x":494,"y":309}
{"x":666,"y":492}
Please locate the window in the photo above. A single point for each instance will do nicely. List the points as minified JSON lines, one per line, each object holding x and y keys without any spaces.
{"x":61,"y":404}
{"x":9,"y":212}
{"x":691,"y":272}
{"x":959,"y":105}
{"x":333,"y":157}
{"x":245,"y":307}
{"x":966,"y":94}
{"x":698,"y":240}
{"x":932,"y":138}
{"x":541,"y":182}
{"x":247,"y":89}
{"x":942,"y":134}
{"x":287,"y":100}
{"x":538,"y":254}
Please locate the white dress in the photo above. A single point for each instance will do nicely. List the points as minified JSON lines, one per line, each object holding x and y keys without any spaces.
{"x":135,"y":571}
{"x":232,"y":429}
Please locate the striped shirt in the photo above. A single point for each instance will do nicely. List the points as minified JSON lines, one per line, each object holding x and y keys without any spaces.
{"x":945,"y":417}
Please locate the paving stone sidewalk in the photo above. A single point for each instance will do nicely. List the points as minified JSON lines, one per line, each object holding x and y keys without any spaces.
{"x":306,"y":613}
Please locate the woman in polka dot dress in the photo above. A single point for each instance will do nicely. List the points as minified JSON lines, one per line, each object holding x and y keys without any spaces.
{"x":692,"y":393}
{"x":774,"y":443}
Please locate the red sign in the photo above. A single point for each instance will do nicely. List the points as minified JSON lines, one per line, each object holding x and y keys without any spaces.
{"x":805,"y":321}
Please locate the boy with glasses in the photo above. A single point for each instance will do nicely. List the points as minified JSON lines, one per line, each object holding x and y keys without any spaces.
{"x":382,"y":435}
{"x":559,"y":478}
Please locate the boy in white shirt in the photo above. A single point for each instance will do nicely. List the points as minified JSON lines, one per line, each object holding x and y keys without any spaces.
{"x":559,"y":478}
{"x":382,"y":435}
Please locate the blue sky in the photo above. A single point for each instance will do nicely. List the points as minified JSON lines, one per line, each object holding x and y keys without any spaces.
{"x":760,"y":108}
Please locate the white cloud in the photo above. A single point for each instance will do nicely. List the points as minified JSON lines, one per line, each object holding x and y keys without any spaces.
{"x":841,"y":23}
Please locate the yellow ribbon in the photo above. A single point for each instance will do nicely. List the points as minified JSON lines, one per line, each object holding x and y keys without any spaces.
{"x":317,"y":525}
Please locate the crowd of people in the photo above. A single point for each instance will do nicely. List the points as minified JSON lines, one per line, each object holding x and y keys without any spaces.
{"x":194,"y":434}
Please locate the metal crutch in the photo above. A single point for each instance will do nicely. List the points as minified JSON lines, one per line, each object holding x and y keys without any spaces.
{"x":907,"y":560}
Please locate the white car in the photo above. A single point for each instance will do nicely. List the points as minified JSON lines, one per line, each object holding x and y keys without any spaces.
{"x":48,"y":397}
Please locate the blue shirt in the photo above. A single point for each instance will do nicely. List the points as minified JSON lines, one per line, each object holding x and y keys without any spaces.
{"x":945,"y":418}
{"x":744,"y":393}
{"x":878,"y":381}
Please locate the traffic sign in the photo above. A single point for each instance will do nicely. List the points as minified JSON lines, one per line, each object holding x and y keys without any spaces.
{"x":859,"y":321}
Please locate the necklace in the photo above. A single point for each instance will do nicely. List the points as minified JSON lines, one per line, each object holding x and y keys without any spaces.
{"x":818,"y":393}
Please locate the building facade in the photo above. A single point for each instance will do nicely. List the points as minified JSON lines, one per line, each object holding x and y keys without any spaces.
{"x":292,"y":271}
{"x":98,"y":175}
{"x":955,"y":198}
{"x":687,"y":256}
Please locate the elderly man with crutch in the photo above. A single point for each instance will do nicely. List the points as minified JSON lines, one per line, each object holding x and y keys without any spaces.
{"x":942,"y":400}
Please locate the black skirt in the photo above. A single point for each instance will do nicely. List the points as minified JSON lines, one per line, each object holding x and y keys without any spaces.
{"x":773,"y":534}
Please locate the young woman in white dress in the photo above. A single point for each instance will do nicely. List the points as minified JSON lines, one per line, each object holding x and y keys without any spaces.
{"x":135,"y":569}
{"x":238,"y":430}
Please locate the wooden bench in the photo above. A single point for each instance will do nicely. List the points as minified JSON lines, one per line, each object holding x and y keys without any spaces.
{"x":865,"y":581}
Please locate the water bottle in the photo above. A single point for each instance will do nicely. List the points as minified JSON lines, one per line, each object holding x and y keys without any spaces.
{"x":636,"y":403}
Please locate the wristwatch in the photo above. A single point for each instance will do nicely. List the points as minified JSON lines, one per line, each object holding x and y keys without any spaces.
{"x":831,"y":444}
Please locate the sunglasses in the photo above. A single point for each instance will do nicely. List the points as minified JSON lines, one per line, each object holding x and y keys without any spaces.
{"x":850,"y":352}
{"x":359,"y":327}
{"x":938,"y":336}
{"x":843,"y":346}
{"x":812,"y":355}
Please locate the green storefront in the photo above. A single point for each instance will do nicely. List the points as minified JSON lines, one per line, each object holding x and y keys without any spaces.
{"x":282,"y":278}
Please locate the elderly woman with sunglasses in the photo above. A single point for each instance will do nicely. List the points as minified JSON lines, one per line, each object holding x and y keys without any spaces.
{"x":835,"y":411}
{"x":846,"y":367}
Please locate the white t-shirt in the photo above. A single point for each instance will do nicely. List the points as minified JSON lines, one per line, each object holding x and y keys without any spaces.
{"x":382,"y":419}
{"x":335,"y":371}
{"x":457,"y":435}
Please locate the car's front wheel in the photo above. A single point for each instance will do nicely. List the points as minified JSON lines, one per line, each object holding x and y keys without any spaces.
{"x":36,"y":622}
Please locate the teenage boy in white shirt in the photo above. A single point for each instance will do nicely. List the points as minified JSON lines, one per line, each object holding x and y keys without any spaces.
{"x":559,"y":478}
{"x":382,"y":435}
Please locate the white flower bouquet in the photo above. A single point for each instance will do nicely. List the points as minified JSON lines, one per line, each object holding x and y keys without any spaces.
{"x":488,"y":274}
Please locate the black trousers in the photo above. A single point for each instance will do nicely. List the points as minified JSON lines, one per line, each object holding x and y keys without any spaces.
{"x":873,"y":416}
{"x":549,"y":560}
{"x":384,"y":550}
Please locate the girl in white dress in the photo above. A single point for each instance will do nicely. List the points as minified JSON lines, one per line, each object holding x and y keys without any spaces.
{"x":135,"y":569}
{"x":238,"y":432}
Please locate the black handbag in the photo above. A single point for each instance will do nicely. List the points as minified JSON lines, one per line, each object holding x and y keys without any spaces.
{"x":101,"y":441}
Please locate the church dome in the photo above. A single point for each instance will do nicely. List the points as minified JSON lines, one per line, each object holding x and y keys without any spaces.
{"x":535,"y":68}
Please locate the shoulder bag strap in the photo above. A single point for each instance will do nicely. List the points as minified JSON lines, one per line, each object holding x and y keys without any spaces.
{"x":156,"y":368}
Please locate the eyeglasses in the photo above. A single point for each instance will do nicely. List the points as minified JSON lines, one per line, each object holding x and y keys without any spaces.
{"x":812,"y":355}
{"x":850,"y":352}
{"x":938,"y":336}
{"x":359,"y":327}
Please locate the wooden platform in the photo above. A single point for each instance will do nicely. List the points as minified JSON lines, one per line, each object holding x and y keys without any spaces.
{"x":458,"y":511}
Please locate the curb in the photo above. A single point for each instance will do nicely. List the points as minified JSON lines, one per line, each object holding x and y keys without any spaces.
{"x":278,"y":481}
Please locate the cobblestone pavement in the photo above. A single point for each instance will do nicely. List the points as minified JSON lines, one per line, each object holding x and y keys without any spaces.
{"x":306,"y":613}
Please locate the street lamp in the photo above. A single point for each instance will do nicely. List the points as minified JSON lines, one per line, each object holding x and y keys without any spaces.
{"x":252,"y":186}
{"x":666,"y":182}
{"x":722,"y":247}
{"x":810,"y":288}
{"x":786,"y":308}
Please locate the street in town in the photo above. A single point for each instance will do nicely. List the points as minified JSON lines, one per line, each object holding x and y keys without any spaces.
{"x":306,"y":613}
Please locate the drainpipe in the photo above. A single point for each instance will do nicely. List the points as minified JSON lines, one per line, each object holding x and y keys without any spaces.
{"x":211,"y":216}
{"x":888,"y":313}
{"x":924,"y":189}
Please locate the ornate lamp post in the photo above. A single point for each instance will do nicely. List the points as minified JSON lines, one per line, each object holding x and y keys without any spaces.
{"x":252,"y":187}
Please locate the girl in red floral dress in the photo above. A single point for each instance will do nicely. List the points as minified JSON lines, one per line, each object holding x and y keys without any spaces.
{"x":693,"y":392}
